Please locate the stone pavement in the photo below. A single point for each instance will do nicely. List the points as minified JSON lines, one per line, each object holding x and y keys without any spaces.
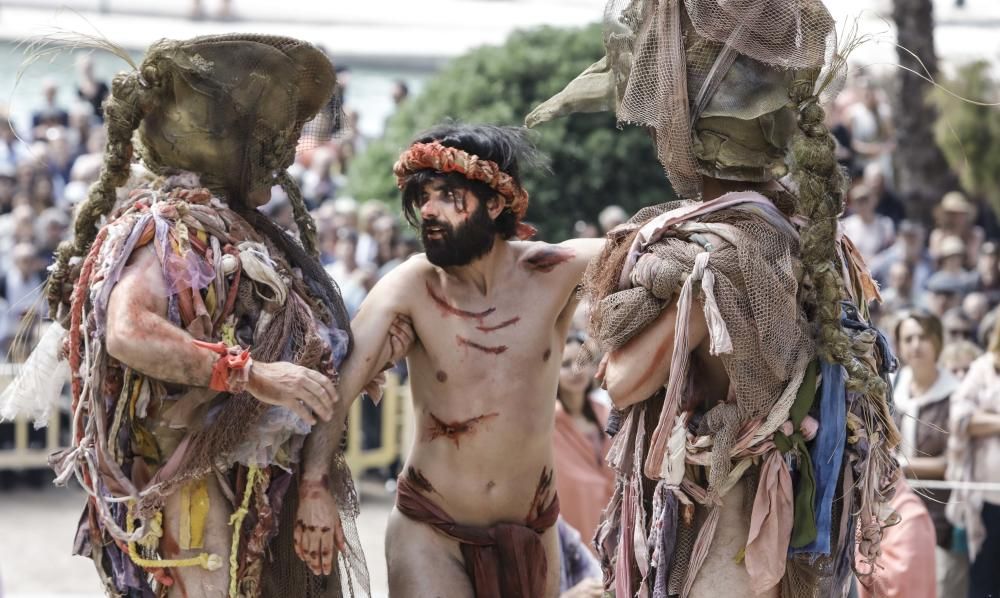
{"x":36,"y":537}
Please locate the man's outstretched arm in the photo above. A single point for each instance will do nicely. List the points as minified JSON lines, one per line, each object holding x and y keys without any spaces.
{"x":383,"y":334}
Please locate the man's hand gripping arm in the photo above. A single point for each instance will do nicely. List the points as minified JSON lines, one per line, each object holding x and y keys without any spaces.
{"x":383,"y":334}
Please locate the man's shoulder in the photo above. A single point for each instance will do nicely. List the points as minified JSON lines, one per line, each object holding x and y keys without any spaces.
{"x":542,"y":257}
{"x":404,"y":276}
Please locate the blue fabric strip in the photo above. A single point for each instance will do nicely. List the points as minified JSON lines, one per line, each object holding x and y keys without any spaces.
{"x":828,"y":452}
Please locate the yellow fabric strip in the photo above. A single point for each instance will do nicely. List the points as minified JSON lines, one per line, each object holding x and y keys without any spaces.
{"x":199,"y":512}
{"x":184,"y":541}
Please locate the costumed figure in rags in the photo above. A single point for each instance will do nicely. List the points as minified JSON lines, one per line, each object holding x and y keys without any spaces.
{"x":203,"y":340}
{"x":481,"y":319}
{"x":752,"y":439}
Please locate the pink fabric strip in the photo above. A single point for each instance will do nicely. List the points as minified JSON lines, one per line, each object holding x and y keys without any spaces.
{"x":679,"y":361}
{"x":770,"y":525}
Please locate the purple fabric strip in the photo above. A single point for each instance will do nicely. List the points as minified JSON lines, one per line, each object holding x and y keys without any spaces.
{"x":114,"y":274}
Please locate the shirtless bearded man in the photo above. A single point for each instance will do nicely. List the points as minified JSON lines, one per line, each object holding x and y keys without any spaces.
{"x":481,"y":320}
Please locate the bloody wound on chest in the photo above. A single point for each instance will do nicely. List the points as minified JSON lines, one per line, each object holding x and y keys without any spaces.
{"x":464,"y":342}
{"x":456,"y":429}
{"x":448,"y":308}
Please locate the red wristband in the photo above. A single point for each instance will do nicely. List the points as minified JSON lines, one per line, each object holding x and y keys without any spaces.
{"x":231,"y":371}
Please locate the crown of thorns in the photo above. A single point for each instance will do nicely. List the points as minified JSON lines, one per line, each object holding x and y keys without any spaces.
{"x":442,"y":158}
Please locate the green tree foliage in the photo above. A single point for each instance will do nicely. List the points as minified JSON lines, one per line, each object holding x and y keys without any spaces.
{"x":969,"y":134}
{"x":592,"y":164}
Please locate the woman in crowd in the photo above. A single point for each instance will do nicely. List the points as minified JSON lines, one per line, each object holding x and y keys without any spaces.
{"x":974,"y":456}
{"x":583,"y":479}
{"x":922,"y":396}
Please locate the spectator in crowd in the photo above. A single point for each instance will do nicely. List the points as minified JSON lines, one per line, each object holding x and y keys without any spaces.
{"x":957,"y":326}
{"x":403,"y":247}
{"x":951,"y":257}
{"x":944,"y":291}
{"x":89,"y":88}
{"x":12,"y":149}
{"x":610,"y":217}
{"x":345,"y":213}
{"x":318,"y":181}
{"x":871,"y":232}
{"x":50,"y":229}
{"x":51,"y":114}
{"x":844,"y":151}
{"x":368,"y":213}
{"x":956,"y":216}
{"x":907,"y":564}
{"x":910,"y":249}
{"x":898,"y":293}
{"x":957,"y":358}
{"x":974,"y":456}
{"x":87,"y":166}
{"x":887,"y":202}
{"x":976,"y":305}
{"x":869,"y":121}
{"x":400,"y":91}
{"x":20,"y":294}
{"x":922,"y":393}
{"x":385,"y":231}
{"x":987,"y":274}
{"x":8,"y":185}
{"x":583,"y":480}
{"x":345,"y":271}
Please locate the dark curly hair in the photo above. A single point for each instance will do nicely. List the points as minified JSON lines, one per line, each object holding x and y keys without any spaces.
{"x":510,"y":147}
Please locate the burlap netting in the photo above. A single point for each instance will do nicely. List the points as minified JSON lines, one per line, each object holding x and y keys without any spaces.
{"x":231,"y":108}
{"x":757,"y":291}
{"x":708,"y":78}
{"x":682,"y":54}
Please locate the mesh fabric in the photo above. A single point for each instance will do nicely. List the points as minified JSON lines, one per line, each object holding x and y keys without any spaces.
{"x":672,"y":64}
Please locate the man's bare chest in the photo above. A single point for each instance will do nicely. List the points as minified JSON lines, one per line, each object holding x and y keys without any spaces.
{"x":509,"y":331}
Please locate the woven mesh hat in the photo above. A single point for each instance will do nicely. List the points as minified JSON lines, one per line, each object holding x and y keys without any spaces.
{"x":230,"y":108}
{"x":708,"y":78}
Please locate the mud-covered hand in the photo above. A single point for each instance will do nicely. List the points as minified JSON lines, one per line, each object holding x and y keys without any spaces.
{"x":306,"y":392}
{"x":319,"y":535}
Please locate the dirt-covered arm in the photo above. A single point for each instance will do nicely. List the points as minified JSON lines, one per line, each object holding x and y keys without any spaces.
{"x":383,"y":334}
{"x":140,"y":336}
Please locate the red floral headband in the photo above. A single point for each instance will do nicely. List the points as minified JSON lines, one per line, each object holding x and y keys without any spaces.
{"x":442,"y":158}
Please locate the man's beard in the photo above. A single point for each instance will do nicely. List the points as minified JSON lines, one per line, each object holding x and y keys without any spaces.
{"x":462,"y":245}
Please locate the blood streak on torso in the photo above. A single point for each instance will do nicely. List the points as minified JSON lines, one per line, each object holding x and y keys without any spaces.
{"x":538,"y":503}
{"x":449,"y":309}
{"x":417,"y":478}
{"x":546,"y":257}
{"x":456,"y":429}
{"x":484,"y":348}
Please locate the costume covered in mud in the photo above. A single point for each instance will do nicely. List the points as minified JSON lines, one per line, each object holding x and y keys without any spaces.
{"x":789,"y":463}
{"x":218,"y":118}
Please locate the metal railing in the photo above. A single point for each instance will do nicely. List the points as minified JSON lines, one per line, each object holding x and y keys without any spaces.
{"x":394,"y":436}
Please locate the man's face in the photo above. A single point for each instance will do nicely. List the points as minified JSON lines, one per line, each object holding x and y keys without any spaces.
{"x":455,"y":226}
